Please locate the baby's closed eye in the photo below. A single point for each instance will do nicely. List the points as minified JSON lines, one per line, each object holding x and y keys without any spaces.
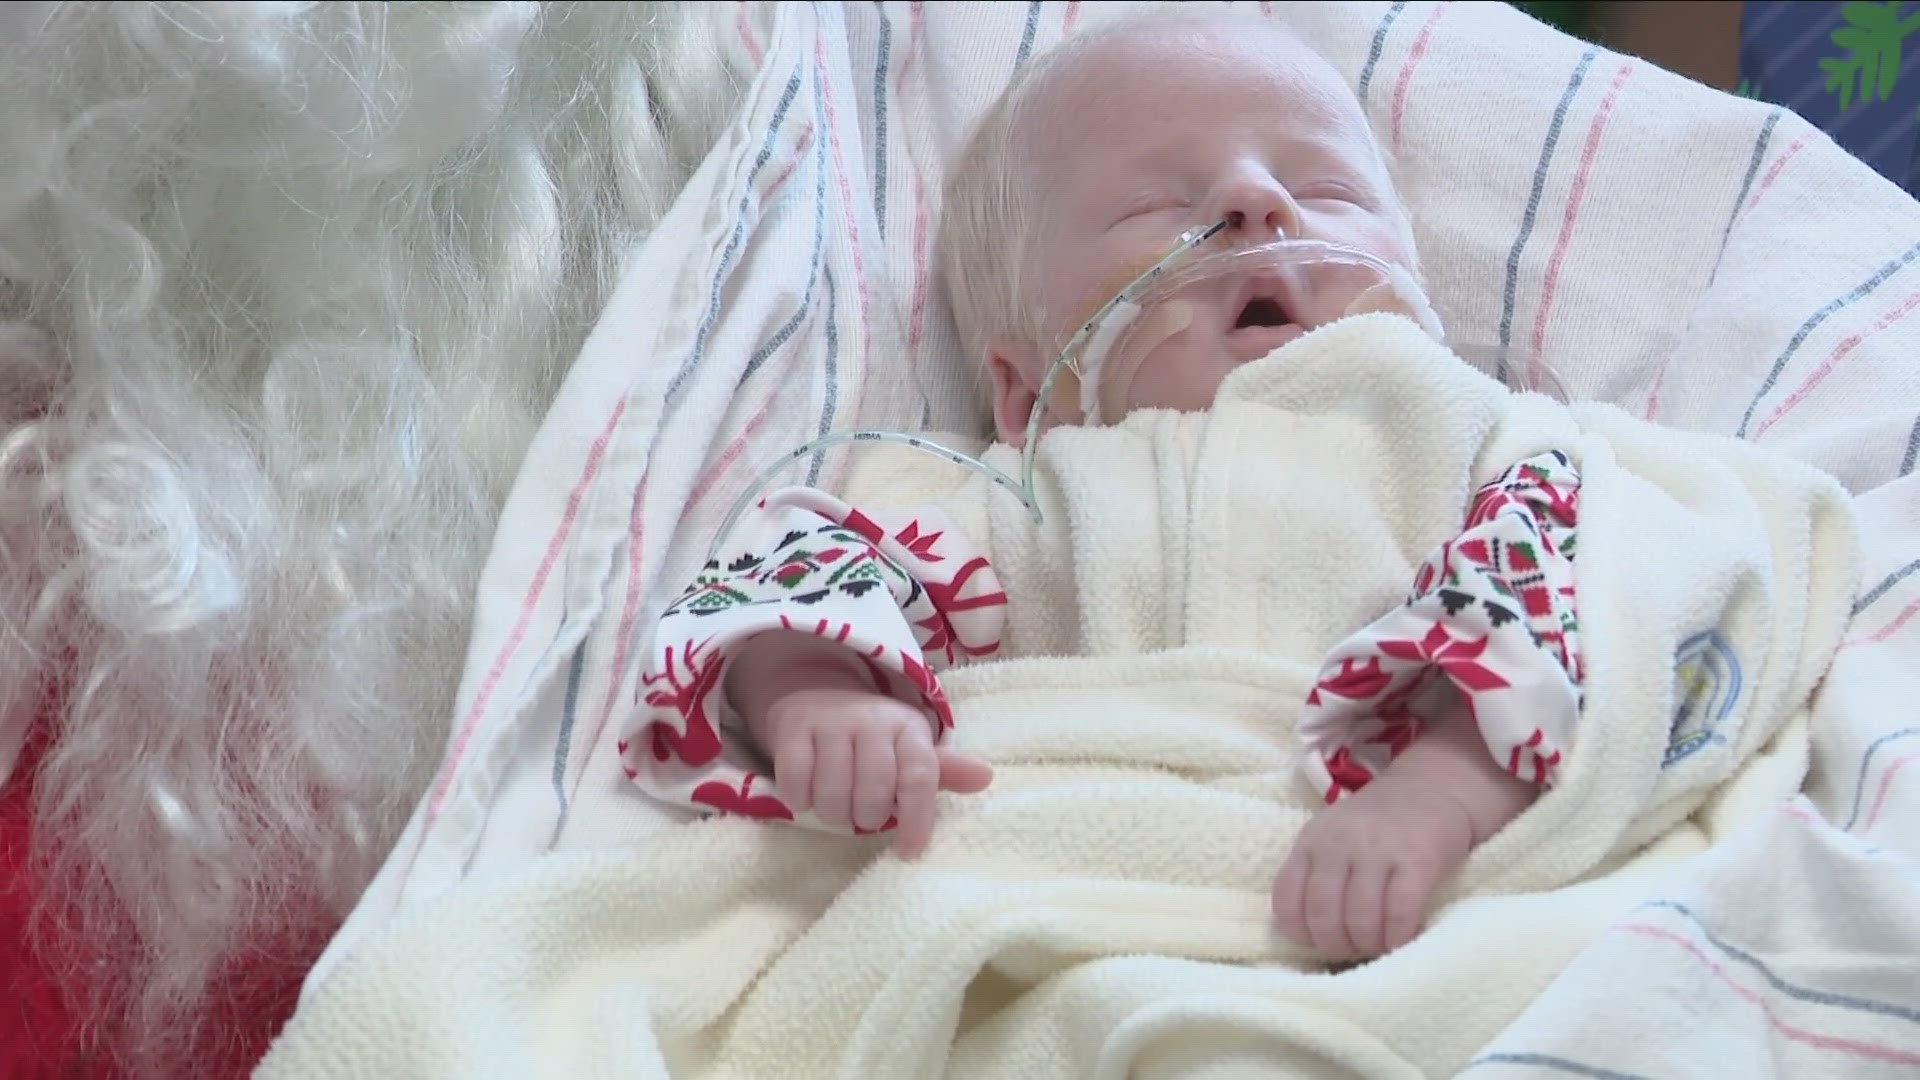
{"x":1153,"y":204}
{"x":1335,"y":191}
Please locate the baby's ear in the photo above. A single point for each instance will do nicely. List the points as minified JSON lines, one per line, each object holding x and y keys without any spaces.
{"x":1014,"y":368}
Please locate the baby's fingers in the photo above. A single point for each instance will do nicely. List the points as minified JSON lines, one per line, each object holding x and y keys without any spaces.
{"x":874,"y":779}
{"x":962,"y":774}
{"x":1365,"y":903}
{"x":1407,"y":892}
{"x":793,"y":772}
{"x":1326,"y":908}
{"x":1290,"y":897}
{"x":919,"y":776}
{"x":833,"y":779}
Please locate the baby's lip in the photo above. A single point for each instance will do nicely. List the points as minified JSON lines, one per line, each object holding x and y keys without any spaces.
{"x":1252,"y":342}
{"x":1269,"y":288}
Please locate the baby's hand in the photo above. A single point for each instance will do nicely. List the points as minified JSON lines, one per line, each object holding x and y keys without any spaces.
{"x":859,"y":758}
{"x":1360,"y":876}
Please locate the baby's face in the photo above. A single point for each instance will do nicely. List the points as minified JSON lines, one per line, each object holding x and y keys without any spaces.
{"x":1151,"y":136}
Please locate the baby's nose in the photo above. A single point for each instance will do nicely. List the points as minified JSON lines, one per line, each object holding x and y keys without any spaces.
{"x":1258,"y":209}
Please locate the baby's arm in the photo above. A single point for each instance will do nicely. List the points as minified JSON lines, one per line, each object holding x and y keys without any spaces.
{"x":1452,"y":758}
{"x":814,"y":642}
{"x":1434,"y":727}
{"x":1359,"y":877}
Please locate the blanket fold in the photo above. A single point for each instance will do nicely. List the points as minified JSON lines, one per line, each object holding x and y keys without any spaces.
{"x":1102,"y":910}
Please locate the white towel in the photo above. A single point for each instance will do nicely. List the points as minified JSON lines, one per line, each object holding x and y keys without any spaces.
{"x":1102,"y":910}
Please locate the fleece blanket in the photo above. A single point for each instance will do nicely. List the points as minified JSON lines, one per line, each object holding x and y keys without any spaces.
{"x":1103,"y":909}
{"x":1712,"y":263}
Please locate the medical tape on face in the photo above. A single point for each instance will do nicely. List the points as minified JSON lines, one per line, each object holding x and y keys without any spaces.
{"x":1104,"y":397}
{"x":1116,"y":325}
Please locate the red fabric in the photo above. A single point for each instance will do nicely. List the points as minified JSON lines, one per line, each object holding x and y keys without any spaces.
{"x":38,"y":1033}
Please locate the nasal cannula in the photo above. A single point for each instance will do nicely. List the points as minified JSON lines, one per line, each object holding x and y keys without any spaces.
{"x":1105,"y":325}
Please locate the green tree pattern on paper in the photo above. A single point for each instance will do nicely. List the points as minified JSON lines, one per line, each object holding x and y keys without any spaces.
{"x":1871,"y":34}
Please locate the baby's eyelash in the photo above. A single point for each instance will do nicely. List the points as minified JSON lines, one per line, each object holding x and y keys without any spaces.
{"x":1153,"y":205}
{"x":1335,"y":192}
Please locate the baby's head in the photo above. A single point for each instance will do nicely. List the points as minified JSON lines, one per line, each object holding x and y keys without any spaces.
{"x":1103,"y":151}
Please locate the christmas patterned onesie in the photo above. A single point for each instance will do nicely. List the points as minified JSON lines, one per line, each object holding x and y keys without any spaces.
{"x":1487,"y":635}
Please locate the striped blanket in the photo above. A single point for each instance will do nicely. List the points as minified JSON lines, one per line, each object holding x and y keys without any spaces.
{"x":1712,"y":263}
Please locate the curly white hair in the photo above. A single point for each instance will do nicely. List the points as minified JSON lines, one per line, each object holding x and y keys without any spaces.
{"x":284,"y":291}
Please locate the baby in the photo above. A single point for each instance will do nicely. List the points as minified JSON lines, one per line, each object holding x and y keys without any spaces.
{"x":1092,"y":164}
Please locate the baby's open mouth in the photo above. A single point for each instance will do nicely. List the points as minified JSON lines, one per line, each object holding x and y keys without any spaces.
{"x":1263,"y":323}
{"x":1261,"y":311}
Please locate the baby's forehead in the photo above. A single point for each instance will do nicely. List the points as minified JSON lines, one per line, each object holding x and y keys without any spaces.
{"x":1187,"y":67}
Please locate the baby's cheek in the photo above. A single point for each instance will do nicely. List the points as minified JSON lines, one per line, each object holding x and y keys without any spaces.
{"x":1177,"y":376}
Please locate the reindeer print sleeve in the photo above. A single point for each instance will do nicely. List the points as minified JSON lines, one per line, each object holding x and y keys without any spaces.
{"x":905,"y":592}
{"x":1489,"y":632}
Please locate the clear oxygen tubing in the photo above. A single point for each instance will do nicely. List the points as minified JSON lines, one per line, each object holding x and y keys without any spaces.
{"x":1117,"y":324}
{"x":1068,"y":358}
{"x":1298,"y":269}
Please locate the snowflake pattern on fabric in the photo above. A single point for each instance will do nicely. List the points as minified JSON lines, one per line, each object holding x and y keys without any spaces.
{"x":908,"y":597}
{"x":1489,"y":635}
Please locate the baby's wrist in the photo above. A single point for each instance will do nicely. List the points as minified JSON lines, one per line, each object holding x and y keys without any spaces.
{"x":775,"y":665}
{"x":1491,"y":802}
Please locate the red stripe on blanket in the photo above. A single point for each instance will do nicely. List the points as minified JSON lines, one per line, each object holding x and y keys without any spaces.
{"x":456,"y":751}
{"x":1885,"y":632}
{"x":1659,"y":380}
{"x":1788,"y":1031}
{"x":629,"y":611}
{"x":1595,"y":131}
{"x":1414,"y":55}
{"x":1774,"y":170}
{"x":840,"y":169}
{"x":1840,"y":352}
{"x":914,"y":18}
{"x":733,"y":451}
{"x":746,"y":32}
{"x":1886,"y":782}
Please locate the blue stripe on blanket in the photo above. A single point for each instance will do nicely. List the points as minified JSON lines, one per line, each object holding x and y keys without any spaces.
{"x":732,"y":249}
{"x":1866,"y":762}
{"x":1510,"y":291}
{"x":1027,"y":35}
{"x":1555,"y":1064}
{"x":1873,"y":595}
{"x":563,"y":742}
{"x":1792,"y":990}
{"x":1913,"y":448}
{"x":1860,"y":292}
{"x":1760,"y":145}
{"x":1373,"y":51}
{"x":880,"y":66}
{"x":832,"y":390}
{"x":792,"y":325}
{"x":833,"y":381}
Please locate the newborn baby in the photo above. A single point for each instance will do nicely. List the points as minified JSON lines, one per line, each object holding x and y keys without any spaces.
{"x":1090,"y":167}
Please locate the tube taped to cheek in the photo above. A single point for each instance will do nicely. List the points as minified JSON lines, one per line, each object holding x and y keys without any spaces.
{"x":1104,"y":391}
{"x":1254,"y":298}
{"x":1269,"y":294}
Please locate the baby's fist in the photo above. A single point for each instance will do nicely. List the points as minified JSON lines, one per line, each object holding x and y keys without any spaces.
{"x":1360,"y":876}
{"x":858,"y":758}
{"x":864,"y":760}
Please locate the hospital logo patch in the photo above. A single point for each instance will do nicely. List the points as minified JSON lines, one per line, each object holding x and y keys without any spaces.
{"x":1706,"y":686}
